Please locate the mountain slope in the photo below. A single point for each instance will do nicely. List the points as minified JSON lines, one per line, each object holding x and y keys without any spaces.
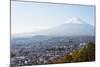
{"x":73,"y":27}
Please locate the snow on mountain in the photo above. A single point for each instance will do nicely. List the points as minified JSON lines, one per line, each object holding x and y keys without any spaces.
{"x":75,"y":20}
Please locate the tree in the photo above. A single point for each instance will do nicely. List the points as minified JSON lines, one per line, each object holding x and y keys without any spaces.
{"x":67,"y":58}
{"x":91,"y":51}
{"x":83,"y":52}
{"x":12,"y":55}
{"x":87,"y":53}
{"x":75,"y":56}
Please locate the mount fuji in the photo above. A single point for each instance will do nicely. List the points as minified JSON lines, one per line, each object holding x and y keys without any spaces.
{"x":72,"y":27}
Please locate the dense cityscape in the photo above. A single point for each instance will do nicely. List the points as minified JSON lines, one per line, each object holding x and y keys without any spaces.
{"x":45,"y":51}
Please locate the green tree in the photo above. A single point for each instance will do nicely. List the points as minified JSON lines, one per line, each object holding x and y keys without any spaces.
{"x":12,"y":55}
{"x":87,"y":53}
{"x":67,"y":58}
{"x":83,"y":52}
{"x":75,"y":56}
{"x":91,"y":51}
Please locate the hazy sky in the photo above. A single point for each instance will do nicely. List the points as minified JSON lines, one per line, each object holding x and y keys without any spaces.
{"x":31,"y":16}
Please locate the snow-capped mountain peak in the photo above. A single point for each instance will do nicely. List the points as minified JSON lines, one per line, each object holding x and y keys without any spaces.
{"x":75,"y":20}
{"x":73,"y":27}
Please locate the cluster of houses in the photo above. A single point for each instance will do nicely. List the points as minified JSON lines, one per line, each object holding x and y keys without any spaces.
{"x":43,"y":57}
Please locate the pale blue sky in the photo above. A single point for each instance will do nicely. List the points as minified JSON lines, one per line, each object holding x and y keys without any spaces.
{"x":32,"y":16}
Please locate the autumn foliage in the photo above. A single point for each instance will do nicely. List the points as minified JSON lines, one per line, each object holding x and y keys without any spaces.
{"x":79,"y":55}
